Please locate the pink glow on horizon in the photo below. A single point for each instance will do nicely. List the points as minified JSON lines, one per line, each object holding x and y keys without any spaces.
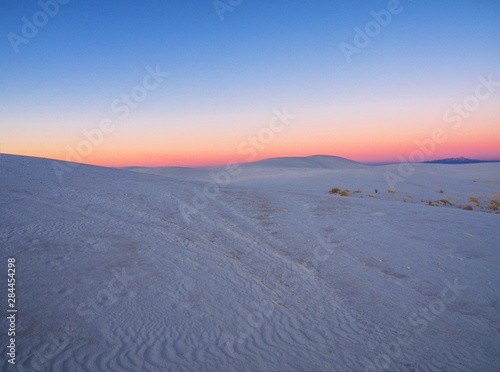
{"x":380,"y":144}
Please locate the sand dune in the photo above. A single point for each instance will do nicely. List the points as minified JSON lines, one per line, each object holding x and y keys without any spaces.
{"x":121,"y":270}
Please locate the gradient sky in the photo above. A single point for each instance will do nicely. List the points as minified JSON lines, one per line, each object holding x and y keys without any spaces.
{"x":226,"y":77}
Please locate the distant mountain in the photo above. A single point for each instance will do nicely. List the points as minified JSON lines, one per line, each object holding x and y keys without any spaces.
{"x":459,"y":161}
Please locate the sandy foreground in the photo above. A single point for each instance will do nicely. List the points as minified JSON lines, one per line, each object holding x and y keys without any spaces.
{"x":156,"y":269}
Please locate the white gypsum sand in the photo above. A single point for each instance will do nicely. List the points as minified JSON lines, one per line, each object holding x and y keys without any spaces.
{"x":271,"y":273}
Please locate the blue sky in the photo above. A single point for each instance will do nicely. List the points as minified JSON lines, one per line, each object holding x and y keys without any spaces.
{"x":226,"y":76}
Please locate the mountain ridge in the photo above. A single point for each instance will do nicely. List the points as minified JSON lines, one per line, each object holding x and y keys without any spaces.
{"x":459,"y":160}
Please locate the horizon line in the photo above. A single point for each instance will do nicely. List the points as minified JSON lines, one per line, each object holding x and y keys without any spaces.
{"x":374,"y":163}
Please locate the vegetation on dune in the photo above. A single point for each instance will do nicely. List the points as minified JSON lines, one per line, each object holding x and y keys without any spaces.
{"x":472,"y":200}
{"x":339,"y":191}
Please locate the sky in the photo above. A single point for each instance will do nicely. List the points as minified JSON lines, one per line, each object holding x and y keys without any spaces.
{"x":202,"y":82}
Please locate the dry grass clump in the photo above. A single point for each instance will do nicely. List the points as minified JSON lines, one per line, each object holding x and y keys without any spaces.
{"x":339,"y":191}
{"x":494,"y":201}
{"x":391,"y":191}
{"x":335,"y":190}
{"x":358,"y":191}
{"x":370,"y":195}
{"x":475,"y":200}
{"x":437,"y":203}
{"x":444,"y":202}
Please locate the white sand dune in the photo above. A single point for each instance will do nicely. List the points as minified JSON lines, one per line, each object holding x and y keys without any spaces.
{"x":314,"y":161}
{"x":256,"y":169}
{"x":121,"y":270}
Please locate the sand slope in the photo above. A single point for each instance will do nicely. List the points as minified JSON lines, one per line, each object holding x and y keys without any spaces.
{"x":123,"y":271}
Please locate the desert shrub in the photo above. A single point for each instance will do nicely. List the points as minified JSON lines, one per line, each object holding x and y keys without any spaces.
{"x":345,"y":193}
{"x":475,"y":200}
{"x":339,"y":191}
{"x":370,"y":195}
{"x":467,"y":208}
{"x":391,"y":191}
{"x":358,"y":191}
{"x":335,"y":190}
{"x":443,"y":201}
{"x":494,"y":201}
{"x":437,"y":203}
